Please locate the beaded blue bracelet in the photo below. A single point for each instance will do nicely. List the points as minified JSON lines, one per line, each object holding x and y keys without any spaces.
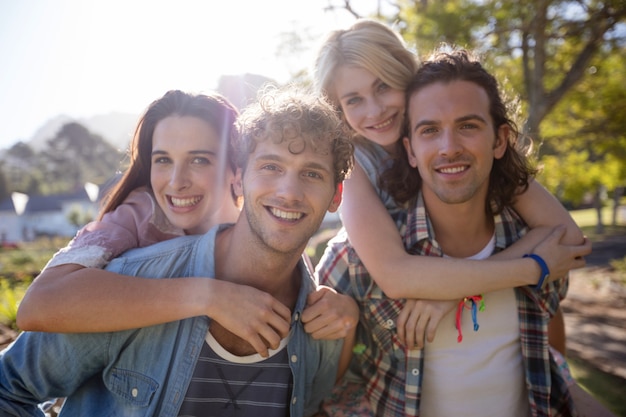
{"x":545,"y":272}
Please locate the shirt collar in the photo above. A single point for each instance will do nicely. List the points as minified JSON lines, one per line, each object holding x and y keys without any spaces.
{"x":509,"y":226}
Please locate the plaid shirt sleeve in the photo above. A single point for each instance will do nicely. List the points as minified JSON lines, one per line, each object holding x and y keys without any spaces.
{"x":548,"y":392}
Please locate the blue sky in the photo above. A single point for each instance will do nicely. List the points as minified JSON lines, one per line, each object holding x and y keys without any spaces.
{"x":87,"y":57}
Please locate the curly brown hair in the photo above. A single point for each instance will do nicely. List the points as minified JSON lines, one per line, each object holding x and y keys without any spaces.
{"x":510,"y":174}
{"x":292,"y":114}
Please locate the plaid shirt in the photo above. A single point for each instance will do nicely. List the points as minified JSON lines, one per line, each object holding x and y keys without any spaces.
{"x":393,"y":374}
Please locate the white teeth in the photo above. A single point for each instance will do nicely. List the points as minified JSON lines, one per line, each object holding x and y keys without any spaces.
{"x":383,"y":124}
{"x":453,"y":170}
{"x":184,"y":202}
{"x":287,"y":215}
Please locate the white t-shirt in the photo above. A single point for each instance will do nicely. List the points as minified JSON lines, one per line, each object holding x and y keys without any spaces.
{"x":483,"y":375}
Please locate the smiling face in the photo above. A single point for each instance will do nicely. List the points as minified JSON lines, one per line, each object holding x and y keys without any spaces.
{"x":286,"y":195}
{"x":371,"y":107}
{"x":453,"y":142}
{"x":190,"y":182}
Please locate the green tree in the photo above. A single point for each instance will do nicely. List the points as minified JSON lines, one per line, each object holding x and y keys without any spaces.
{"x":586,"y":156}
{"x":75,"y":156}
{"x":20,"y":167}
{"x":4,"y":188}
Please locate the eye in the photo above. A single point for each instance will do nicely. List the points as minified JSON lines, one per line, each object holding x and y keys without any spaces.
{"x":353,"y":100}
{"x":200,"y":160}
{"x":428,"y":130}
{"x":313,"y":174}
{"x":383,"y":86}
{"x":161,"y":160}
{"x":467,"y":126}
{"x":269,"y":167}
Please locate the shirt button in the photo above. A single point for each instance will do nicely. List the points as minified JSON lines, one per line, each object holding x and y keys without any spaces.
{"x":293,"y":401}
{"x":296,"y":317}
{"x":134,"y":392}
{"x":415,"y":371}
{"x":389,"y":324}
{"x":294,"y":358}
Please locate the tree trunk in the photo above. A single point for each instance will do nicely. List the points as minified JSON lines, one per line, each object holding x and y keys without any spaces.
{"x":617,"y":195}
{"x":597,"y":204}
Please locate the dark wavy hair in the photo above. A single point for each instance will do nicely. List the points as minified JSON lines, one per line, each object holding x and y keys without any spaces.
{"x":213,"y":108}
{"x":297,"y":116}
{"x":510,"y":174}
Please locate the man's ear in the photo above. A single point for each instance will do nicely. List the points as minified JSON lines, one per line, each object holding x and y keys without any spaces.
{"x":409,"y":151}
{"x":237,"y":183}
{"x":502,"y":140}
{"x":336,"y":202}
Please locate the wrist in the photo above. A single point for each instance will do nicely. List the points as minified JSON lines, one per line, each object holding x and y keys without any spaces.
{"x":545,"y":271}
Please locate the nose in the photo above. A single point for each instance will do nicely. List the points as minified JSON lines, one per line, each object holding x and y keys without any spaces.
{"x":180,"y":178}
{"x":449,"y":144}
{"x":289,"y":187}
{"x":375,"y":107}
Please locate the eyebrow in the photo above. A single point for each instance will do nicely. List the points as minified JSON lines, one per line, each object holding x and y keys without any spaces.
{"x":277,"y":158}
{"x":458,"y":120}
{"x":351,"y":94}
{"x":194,"y":152}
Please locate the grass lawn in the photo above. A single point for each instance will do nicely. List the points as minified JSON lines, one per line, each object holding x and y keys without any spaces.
{"x":609,"y":389}
{"x":589,"y":218}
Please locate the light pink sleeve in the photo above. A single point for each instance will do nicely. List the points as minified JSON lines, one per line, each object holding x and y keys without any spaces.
{"x":137,"y":222}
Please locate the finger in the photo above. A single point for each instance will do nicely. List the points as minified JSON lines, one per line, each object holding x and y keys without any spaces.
{"x":283,"y":311}
{"x":259,"y":345}
{"x":270,"y":337}
{"x":279,"y":325}
{"x":327,"y":333}
{"x":557,"y":233}
{"x":401,"y":323}
{"x":584,"y":249}
{"x":314,"y":326}
{"x":431,"y":329}
{"x":410,"y":330}
{"x":420,"y":329}
{"x":315,"y":296}
{"x":579,"y":263}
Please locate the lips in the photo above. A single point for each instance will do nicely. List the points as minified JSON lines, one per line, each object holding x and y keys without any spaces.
{"x":184,"y":202}
{"x":452,"y":170}
{"x":384,"y":124}
{"x":286,"y":215}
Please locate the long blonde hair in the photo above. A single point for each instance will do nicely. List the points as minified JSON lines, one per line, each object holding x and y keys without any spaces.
{"x":367,"y":44}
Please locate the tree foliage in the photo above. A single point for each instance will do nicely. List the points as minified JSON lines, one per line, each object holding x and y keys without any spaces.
{"x":71,"y":158}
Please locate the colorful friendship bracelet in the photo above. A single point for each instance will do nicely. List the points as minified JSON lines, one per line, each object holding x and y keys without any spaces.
{"x":475,"y":303}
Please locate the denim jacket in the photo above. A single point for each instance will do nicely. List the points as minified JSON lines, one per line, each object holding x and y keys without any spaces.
{"x":146,"y":372}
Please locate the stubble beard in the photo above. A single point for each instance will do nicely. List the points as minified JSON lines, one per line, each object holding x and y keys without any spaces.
{"x":269,"y":240}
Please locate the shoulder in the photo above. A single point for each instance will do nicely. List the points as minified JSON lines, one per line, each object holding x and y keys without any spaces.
{"x":181,"y":256}
{"x":510,"y":227}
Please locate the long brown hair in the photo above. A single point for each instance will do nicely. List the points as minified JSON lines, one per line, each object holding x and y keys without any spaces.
{"x":510,"y":174}
{"x":213,"y":108}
